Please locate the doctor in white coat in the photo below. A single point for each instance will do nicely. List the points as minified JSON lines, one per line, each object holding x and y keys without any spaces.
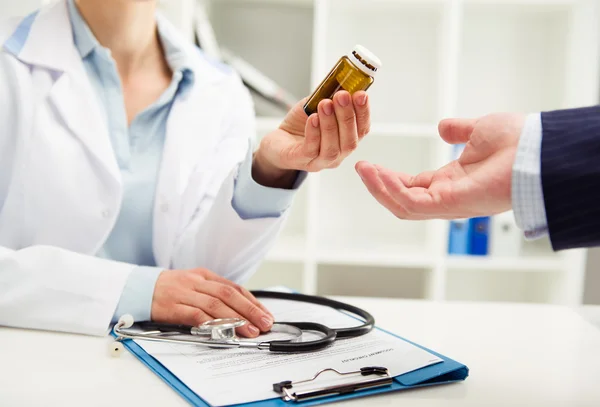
{"x":129,"y":182}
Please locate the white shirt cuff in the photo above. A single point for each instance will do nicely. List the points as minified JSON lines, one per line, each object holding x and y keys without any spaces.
{"x":252,"y":200}
{"x":527,"y":192}
{"x":136,"y":298}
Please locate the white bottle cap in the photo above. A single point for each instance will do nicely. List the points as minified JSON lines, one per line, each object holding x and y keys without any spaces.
{"x":365,"y":60}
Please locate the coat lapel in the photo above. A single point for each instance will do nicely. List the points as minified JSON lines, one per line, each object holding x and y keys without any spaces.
{"x":48,"y":45}
{"x":77,"y":106}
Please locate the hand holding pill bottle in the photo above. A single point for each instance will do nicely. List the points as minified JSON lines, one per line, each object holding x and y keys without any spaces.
{"x":353,"y":72}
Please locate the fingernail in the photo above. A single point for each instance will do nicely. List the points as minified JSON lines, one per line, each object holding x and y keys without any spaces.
{"x":344,"y":99}
{"x":328,"y":109}
{"x":253,"y":330}
{"x":315,"y":121}
{"x":362,"y":99}
{"x":266,"y":322}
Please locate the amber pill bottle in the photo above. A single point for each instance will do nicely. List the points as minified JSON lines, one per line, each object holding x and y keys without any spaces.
{"x":353,"y":72}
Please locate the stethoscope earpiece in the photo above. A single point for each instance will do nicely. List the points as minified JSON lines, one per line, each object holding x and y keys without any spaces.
{"x":115,"y":349}
{"x":126,"y":321}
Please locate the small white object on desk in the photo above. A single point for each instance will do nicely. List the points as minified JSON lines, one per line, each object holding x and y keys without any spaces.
{"x":115,"y":349}
{"x":518,"y":355}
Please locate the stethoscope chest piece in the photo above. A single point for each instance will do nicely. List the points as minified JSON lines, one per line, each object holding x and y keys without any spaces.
{"x":222,"y":329}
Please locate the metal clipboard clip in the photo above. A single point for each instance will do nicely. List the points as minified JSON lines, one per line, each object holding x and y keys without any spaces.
{"x":375,"y":377}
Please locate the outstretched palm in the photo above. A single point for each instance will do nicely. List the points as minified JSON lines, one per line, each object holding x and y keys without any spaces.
{"x":478,"y":183}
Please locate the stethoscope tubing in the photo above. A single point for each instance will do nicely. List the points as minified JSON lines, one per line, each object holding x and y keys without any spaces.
{"x":350,"y":332}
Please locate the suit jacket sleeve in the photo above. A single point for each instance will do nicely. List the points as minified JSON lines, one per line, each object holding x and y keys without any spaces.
{"x":570,"y":164}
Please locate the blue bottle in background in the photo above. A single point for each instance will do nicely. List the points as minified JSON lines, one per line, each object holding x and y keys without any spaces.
{"x":479,"y":235}
{"x":458,"y":240}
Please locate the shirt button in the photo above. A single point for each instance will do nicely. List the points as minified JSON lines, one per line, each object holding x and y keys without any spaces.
{"x":164,"y":207}
{"x":105,"y":213}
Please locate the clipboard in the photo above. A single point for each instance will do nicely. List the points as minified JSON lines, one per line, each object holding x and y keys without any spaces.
{"x":445,"y":372}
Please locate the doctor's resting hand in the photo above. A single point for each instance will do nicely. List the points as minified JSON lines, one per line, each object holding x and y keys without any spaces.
{"x":478,"y":183}
{"x":192,"y":297}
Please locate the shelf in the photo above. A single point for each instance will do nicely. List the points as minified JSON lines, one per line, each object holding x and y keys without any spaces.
{"x":373,"y":253}
{"x":518,"y":264}
{"x":371,"y":281}
{"x":512,"y":59}
{"x":406,"y":37}
{"x":272,"y":273}
{"x":267,"y":36}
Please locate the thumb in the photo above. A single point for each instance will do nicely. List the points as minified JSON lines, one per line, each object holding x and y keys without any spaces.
{"x":456,"y":131}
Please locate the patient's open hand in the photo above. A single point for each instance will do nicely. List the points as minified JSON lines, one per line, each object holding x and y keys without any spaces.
{"x":477,"y":184}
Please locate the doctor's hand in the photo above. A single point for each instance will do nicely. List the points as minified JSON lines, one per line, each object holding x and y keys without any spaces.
{"x":314,"y":143}
{"x":191,"y":297}
{"x":477,"y":184}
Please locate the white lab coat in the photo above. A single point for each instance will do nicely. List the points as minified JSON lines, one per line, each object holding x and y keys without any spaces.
{"x":60,"y":186}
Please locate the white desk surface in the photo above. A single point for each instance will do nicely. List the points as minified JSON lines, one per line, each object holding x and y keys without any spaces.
{"x":518,"y":355}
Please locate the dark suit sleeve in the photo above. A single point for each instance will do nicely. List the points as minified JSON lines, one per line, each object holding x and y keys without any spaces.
{"x":570,"y":168}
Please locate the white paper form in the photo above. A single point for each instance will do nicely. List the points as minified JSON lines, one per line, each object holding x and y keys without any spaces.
{"x":231,"y":376}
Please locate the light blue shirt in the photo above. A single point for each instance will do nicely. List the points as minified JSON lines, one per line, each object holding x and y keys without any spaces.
{"x":138,"y":149}
{"x":527,"y":192}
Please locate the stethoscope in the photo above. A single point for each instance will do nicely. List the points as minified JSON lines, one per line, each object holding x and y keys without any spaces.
{"x":220,"y":333}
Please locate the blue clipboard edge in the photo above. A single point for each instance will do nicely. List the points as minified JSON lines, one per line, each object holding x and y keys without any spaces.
{"x":445,"y":372}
